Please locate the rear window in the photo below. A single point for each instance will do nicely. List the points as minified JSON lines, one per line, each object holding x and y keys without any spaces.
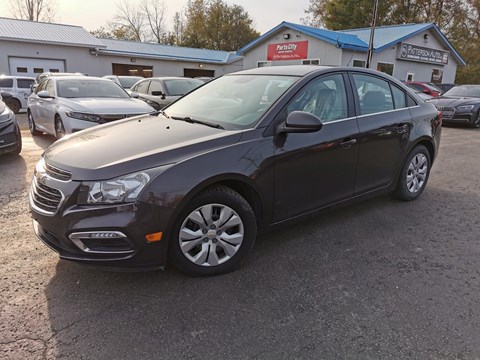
{"x":8,"y":83}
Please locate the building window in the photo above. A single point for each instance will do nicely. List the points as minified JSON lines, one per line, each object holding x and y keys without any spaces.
{"x":264,"y":63}
{"x":54,"y":70}
{"x":386,"y":68}
{"x":359,"y":63}
{"x":22,"y":70}
{"x":410,"y":76}
{"x":311,"y":62}
{"x":38,"y":70}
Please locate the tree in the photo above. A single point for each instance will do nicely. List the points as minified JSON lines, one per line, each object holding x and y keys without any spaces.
{"x":33,"y":10}
{"x":154,"y":11}
{"x":129,"y":20}
{"x":216,"y":25}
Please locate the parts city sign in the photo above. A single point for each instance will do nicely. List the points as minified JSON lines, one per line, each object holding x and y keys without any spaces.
{"x":288,"y":51}
{"x":419,"y":53}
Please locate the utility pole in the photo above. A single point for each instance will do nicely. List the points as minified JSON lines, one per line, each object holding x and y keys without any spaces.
{"x":372,"y":33}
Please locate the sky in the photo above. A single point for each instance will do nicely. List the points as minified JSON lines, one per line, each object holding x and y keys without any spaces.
{"x":92,"y":14}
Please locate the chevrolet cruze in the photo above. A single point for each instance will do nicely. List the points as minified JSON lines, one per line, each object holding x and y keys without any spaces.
{"x":193,"y":184}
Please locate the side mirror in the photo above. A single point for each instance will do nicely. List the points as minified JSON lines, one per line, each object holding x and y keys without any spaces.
{"x":44,"y":94}
{"x":300,"y":122}
{"x":159,"y":93}
{"x":134,"y":95}
{"x":5,"y":95}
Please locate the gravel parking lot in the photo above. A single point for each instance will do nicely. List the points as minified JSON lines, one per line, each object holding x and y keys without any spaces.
{"x":382,"y":279}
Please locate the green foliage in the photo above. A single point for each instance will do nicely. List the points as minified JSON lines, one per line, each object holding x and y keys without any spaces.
{"x":216,"y":25}
{"x":458,"y":20}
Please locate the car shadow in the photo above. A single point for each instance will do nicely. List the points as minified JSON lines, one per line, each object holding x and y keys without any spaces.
{"x":13,"y":170}
{"x":44,"y":141}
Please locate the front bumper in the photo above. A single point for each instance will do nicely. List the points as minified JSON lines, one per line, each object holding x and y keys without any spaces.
{"x":9,"y":137}
{"x":111,"y":237}
{"x":451,"y":115}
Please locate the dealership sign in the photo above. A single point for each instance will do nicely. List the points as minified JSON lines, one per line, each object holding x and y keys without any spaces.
{"x":423,"y":54}
{"x":288,"y":51}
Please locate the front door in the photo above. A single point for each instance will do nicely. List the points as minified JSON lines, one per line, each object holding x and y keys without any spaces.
{"x":316,"y":169}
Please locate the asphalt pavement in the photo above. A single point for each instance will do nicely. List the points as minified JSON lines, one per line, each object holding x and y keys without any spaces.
{"x":382,"y":279}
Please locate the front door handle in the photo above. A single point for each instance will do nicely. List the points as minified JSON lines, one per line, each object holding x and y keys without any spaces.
{"x":347,"y":143}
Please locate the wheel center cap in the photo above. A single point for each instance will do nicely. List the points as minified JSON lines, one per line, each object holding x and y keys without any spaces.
{"x":211,"y":233}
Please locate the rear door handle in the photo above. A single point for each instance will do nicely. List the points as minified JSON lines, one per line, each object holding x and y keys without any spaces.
{"x":347,"y":143}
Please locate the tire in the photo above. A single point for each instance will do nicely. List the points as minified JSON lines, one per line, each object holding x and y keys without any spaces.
{"x":31,"y":125}
{"x":414,"y":174}
{"x":213,"y":233}
{"x":14,"y":105}
{"x":18,"y":149}
{"x":476,"y":123}
{"x":59,"y":128}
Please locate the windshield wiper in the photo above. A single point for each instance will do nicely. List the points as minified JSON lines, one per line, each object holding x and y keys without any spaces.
{"x":195,"y":121}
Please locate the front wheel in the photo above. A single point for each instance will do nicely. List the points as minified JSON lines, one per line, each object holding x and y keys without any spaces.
{"x":59,"y":128}
{"x":476,"y":123}
{"x":414,"y":175}
{"x":31,"y":125}
{"x":214,"y":233}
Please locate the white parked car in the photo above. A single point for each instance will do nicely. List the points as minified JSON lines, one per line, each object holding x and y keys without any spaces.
{"x":64,"y":105}
{"x":19,"y":87}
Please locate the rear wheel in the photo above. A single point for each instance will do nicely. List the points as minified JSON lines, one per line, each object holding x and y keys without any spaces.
{"x":414,"y":174}
{"x":14,"y":105}
{"x":59,"y":128}
{"x":18,"y":149}
{"x":214,"y":233}
{"x":31,"y":125}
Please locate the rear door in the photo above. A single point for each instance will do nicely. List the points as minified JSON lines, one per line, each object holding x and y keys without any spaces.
{"x":385,"y":124}
{"x":316,"y":169}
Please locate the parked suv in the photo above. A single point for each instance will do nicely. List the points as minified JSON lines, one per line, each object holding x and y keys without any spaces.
{"x":20,"y":88}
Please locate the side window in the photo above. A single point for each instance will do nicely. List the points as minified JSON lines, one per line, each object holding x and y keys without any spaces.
{"x":142,"y":87}
{"x":6,"y":83}
{"x":24,"y":83}
{"x":373,"y":93}
{"x":398,"y":97}
{"x":324,"y":97}
{"x":155,"y":86}
{"x":50,"y":88}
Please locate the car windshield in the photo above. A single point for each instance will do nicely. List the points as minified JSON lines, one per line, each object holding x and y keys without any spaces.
{"x":90,"y":88}
{"x":128,"y":81}
{"x":464,"y":90}
{"x":233,"y":101}
{"x":178,"y":87}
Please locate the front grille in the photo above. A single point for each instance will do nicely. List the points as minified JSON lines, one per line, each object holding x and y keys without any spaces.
{"x":57,"y":173}
{"x":112,"y":117}
{"x":45,"y":197}
{"x":8,"y":139}
{"x":447,"y":112}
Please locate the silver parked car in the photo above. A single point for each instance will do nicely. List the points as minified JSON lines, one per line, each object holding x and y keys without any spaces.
{"x":63,"y":105}
{"x":162,"y":91}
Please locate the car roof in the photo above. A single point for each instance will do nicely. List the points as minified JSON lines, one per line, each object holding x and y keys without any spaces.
{"x":78,"y":77}
{"x":170,"y":78}
{"x":16,"y":77}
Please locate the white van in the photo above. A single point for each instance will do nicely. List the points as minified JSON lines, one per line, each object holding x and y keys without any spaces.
{"x":19,"y":87}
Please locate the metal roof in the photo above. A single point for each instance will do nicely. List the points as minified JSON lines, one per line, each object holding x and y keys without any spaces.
{"x":358,"y":39}
{"x":158,"y":51}
{"x":40,"y":32}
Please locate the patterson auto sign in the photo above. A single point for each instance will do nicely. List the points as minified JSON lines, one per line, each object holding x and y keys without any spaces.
{"x":423,"y":54}
{"x":288,"y":51}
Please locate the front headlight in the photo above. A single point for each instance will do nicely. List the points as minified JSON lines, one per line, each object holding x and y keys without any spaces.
{"x":83,"y":116}
{"x":120,"y":190}
{"x":465,"y":107}
{"x":6,"y":115}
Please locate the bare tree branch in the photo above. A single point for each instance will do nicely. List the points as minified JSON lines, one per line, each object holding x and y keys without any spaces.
{"x":33,"y":10}
{"x":154,"y":12}
{"x":128,"y":16}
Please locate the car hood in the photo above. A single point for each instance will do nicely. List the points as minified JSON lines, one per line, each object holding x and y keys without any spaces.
{"x":108,"y":105}
{"x":453,"y":101}
{"x":139,"y":143}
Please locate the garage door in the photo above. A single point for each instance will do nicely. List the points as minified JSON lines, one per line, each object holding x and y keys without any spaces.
{"x":34,"y":67}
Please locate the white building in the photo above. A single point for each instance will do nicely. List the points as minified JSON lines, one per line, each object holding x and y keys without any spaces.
{"x":28,"y":48}
{"x":412,"y":52}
